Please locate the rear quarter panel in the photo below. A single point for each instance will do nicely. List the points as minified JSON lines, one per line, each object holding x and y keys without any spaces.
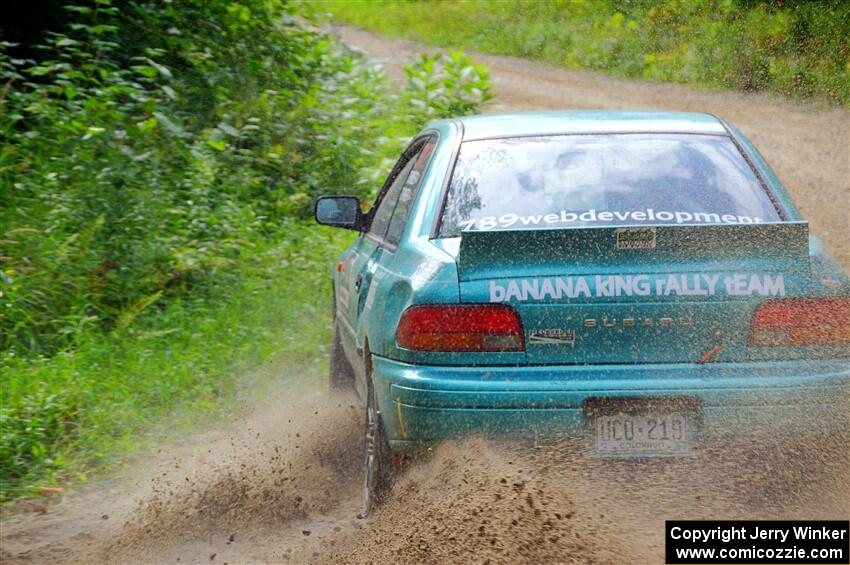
{"x":415,"y":272}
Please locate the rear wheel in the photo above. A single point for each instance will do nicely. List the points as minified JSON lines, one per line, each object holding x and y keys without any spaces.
{"x":377,"y":458}
{"x":340,"y":372}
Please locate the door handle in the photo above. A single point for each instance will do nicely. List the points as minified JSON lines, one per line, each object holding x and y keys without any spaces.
{"x":358,"y":282}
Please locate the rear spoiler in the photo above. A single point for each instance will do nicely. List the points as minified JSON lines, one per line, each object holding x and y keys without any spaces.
{"x":775,"y":246}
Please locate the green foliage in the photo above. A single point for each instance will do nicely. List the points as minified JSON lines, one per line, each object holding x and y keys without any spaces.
{"x":156,"y":164}
{"x":798,"y":49}
{"x":446,"y":85}
{"x":133,"y":170}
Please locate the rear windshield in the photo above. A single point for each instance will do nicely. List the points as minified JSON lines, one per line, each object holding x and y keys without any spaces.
{"x":588,"y":180}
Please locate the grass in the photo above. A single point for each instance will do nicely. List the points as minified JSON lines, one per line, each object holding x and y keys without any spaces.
{"x":800,"y":50}
{"x":93,"y":405}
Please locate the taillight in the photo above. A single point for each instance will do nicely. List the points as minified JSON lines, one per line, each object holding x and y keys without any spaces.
{"x":801,"y":321}
{"x":473,"y":327}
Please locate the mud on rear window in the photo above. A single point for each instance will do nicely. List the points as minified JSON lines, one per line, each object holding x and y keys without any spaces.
{"x":585,"y":180}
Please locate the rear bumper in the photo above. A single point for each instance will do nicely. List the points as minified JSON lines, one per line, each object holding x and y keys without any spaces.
{"x":424,"y":404}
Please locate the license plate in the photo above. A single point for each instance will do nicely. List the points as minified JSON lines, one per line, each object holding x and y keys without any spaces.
{"x":642,"y":426}
{"x":642,"y":434}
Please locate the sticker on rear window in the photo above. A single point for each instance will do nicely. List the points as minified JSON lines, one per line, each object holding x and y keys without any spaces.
{"x":564,"y":218}
{"x":635,"y":238}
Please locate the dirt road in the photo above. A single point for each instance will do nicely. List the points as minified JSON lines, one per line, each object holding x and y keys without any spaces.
{"x":808,"y":148}
{"x":279,"y":485}
{"x":275,"y":485}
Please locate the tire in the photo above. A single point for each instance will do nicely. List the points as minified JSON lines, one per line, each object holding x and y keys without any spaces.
{"x":377,"y":457}
{"x":340,"y":372}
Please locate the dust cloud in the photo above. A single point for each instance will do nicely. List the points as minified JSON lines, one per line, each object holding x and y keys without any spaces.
{"x":282,"y":486}
{"x":485,"y":502}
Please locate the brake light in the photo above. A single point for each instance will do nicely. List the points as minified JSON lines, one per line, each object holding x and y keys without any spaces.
{"x":801,"y":321}
{"x":473,"y":327}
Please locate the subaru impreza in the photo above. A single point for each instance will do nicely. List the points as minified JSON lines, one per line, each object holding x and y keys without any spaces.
{"x":633,"y":280}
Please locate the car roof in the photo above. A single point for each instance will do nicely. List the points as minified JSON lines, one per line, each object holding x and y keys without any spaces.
{"x":489,"y":126}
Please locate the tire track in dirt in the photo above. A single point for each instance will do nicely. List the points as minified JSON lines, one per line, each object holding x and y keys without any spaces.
{"x":808,"y":147}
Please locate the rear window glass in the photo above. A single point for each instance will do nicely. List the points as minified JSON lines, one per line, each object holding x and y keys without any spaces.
{"x":583,"y":180}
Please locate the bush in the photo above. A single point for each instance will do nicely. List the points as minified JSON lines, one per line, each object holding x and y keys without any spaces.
{"x":137,"y":168}
{"x":446,"y":85}
{"x":158,"y":163}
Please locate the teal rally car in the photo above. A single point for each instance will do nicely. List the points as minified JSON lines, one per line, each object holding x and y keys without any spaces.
{"x":637,"y":280}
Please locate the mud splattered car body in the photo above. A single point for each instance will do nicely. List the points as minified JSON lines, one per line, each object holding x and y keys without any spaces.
{"x":636,"y":279}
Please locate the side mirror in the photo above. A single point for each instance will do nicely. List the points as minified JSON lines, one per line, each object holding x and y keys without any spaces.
{"x":339,"y":211}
